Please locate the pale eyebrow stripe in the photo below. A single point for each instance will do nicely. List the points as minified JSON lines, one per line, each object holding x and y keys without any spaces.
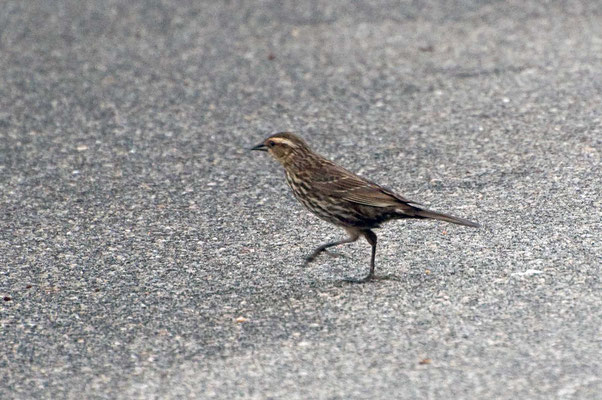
{"x":283,"y":141}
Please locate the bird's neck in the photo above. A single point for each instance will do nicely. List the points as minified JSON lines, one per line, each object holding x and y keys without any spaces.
{"x":296,"y":162}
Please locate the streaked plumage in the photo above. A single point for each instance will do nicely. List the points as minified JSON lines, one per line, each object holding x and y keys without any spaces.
{"x":341,"y":197}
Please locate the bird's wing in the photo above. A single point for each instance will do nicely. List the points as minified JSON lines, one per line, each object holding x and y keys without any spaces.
{"x":340,"y":183}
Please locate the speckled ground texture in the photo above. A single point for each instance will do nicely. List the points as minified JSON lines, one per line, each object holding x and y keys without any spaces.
{"x":145,"y":253}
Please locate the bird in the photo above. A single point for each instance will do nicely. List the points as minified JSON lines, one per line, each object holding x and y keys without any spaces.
{"x":341,"y":197}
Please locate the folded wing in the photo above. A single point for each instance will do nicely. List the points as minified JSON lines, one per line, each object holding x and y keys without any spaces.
{"x":345,"y":185}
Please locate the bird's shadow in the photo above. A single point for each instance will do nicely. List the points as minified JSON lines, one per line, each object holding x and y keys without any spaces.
{"x":350,"y":280}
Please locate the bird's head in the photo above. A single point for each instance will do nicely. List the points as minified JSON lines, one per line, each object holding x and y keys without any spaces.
{"x":282,"y":146}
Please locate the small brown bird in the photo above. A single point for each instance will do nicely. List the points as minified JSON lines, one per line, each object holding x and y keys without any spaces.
{"x":341,"y":197}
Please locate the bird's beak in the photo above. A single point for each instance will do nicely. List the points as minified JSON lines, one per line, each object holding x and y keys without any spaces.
{"x":260,"y":147}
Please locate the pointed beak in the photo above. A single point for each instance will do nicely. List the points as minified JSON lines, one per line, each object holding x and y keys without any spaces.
{"x":260,"y":147}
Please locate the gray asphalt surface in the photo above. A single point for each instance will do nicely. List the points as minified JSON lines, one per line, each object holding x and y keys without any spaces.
{"x":145,"y":253}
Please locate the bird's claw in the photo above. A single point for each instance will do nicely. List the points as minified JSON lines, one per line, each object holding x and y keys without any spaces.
{"x":355,"y":280}
{"x":309,"y":259}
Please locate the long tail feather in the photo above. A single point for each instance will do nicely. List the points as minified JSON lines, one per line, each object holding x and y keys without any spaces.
{"x":444,"y":217}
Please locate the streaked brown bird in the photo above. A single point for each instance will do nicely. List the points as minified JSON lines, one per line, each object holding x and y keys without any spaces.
{"x":341,"y":197}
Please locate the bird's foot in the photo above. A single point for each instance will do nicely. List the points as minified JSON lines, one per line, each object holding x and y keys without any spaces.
{"x":372,"y":279}
{"x":313,"y":256}
{"x":310,"y":259}
{"x":365,"y":279}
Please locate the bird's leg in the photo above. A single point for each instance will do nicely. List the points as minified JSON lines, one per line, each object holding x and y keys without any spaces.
{"x":353,"y":236}
{"x":371,"y":238}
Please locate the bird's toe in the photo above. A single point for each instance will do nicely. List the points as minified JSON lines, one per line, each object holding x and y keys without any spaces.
{"x":309,"y":259}
{"x":355,"y":280}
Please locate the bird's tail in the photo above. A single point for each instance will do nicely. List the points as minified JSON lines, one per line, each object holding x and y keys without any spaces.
{"x":422,"y":213}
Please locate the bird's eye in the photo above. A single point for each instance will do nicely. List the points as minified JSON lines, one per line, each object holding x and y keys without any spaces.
{"x":271,"y":143}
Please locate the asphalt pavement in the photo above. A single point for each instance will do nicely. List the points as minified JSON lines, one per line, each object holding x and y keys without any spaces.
{"x":145,"y":253}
